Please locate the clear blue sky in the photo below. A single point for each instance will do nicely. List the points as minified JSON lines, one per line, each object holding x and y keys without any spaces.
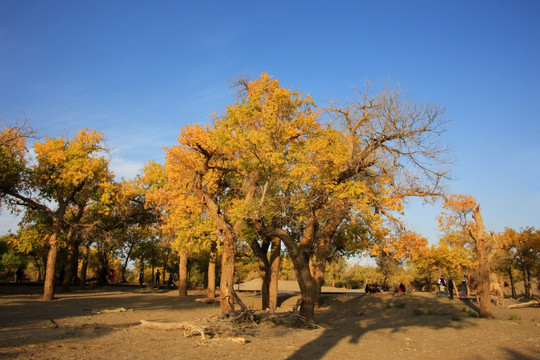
{"x":140,"y":70}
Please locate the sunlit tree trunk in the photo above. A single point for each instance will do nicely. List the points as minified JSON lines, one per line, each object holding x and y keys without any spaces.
{"x":483,"y":266}
{"x":227,"y":273}
{"x":183,"y":273}
{"x":275,"y":257}
{"x":211,"y":290}
{"x":48,"y":287}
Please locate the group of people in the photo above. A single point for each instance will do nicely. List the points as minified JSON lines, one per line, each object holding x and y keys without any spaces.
{"x":372,"y":288}
{"x":375,"y":288}
{"x":157,"y":278}
{"x":449,"y":286}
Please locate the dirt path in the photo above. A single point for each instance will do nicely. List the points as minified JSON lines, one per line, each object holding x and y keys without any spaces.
{"x":417,"y":326}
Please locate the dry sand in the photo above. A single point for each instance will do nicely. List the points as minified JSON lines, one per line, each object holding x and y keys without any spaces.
{"x":415,"y":326}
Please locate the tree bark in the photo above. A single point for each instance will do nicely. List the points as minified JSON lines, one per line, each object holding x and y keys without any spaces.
{"x":307,"y":285}
{"x":483,"y":266}
{"x":261,"y":253}
{"x":318,"y":264}
{"x":527,"y":283}
{"x":227,"y":273}
{"x":48,"y":287}
{"x":211,"y":289}
{"x":84,"y":264}
{"x":512,"y":284}
{"x":299,"y":253}
{"x":182,"y":270}
{"x":275,"y":258}
{"x":71,"y":259}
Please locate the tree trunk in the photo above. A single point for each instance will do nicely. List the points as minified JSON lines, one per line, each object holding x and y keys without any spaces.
{"x":307,"y":285}
{"x":483,"y":267}
{"x":183,"y":273}
{"x":512,"y":284}
{"x":261,"y":253}
{"x":68,"y":269}
{"x":124,"y":266}
{"x":103,"y":272}
{"x":227,"y":273}
{"x":211,"y":289}
{"x":48,"y":287}
{"x":318,"y":264}
{"x":528,"y":291}
{"x":275,"y":257}
{"x":84,"y":264}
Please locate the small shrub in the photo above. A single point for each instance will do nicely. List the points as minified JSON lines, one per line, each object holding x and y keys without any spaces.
{"x":463,"y":310}
{"x":418,"y":312}
{"x":515,"y":317}
{"x":473,"y":314}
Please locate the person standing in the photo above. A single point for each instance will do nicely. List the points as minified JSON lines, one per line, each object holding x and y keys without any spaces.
{"x":158,"y":275}
{"x":442,"y":286}
{"x":19,"y":275}
{"x":141,"y":277}
{"x":451,"y":288}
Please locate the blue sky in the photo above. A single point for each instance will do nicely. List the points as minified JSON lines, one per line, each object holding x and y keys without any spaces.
{"x":140,"y":70}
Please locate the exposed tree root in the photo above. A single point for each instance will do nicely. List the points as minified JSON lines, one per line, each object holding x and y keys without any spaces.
{"x":254,"y":318}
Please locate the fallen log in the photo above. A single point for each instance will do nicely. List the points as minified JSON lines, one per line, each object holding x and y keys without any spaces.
{"x":534,"y":303}
{"x":189,"y":327}
{"x":107,"y":311}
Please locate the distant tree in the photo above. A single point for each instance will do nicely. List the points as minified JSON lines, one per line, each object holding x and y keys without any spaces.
{"x":392,"y":251}
{"x":464,"y":216}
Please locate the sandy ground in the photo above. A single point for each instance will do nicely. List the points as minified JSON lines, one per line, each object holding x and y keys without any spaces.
{"x":353,"y":326}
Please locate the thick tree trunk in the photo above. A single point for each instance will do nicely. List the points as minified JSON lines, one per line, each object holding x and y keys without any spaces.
{"x":307,"y":286}
{"x":275,"y":257}
{"x":483,"y":267}
{"x":68,"y":269}
{"x":211,"y":289}
{"x":227,"y":273}
{"x":183,"y":273}
{"x":318,"y":264}
{"x":48,"y":287}
{"x":261,"y":253}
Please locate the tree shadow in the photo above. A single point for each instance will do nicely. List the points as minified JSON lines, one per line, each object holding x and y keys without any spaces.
{"x":516,"y":355}
{"x":353,"y":317}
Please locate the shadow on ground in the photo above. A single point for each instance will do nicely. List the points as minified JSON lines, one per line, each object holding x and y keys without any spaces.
{"x":353,"y":317}
{"x":25,"y":319}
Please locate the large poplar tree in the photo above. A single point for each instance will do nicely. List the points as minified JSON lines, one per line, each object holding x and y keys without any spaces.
{"x":62,"y":169}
